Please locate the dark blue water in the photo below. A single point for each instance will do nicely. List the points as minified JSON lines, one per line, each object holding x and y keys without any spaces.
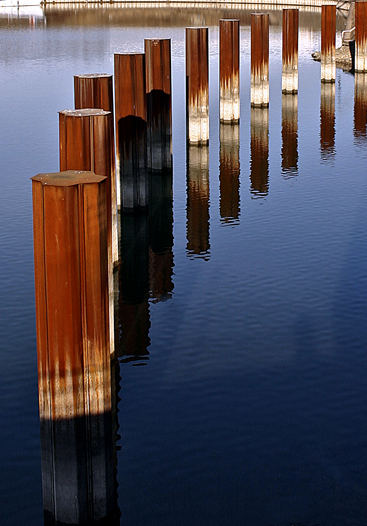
{"x":248,"y":406}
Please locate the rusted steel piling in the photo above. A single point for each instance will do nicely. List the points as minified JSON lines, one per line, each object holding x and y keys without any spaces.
{"x":73,"y":347}
{"x":259,"y":59}
{"x":197,"y":85}
{"x":327,"y":119}
{"x":158,"y":90}
{"x":197,"y":207}
{"x":328,"y":31}
{"x":361,"y":36}
{"x":290,"y":51}
{"x":360,"y":104}
{"x":93,"y":90}
{"x":229,"y":173}
{"x":259,"y":161}
{"x":96,"y":91}
{"x":289,"y":135}
{"x":85,"y":138}
{"x":229,"y":70}
{"x":131,"y":131}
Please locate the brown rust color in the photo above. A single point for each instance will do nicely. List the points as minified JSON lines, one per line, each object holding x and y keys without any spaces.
{"x":290,"y":37}
{"x":327,"y":119}
{"x":259,"y":45}
{"x":328,"y":30}
{"x":197,"y":64}
{"x":71,"y":284}
{"x":130,"y":86}
{"x":93,"y":91}
{"x":360,"y":25}
{"x":229,"y":50}
{"x":158,"y":64}
{"x":229,"y":173}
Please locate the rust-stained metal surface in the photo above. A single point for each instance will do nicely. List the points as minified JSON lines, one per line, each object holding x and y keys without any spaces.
{"x":361,"y":36}
{"x":328,"y":32}
{"x":159,"y":103}
{"x":86,"y":143}
{"x":290,"y":51}
{"x":327,"y":119}
{"x":229,"y":173}
{"x":259,"y":147}
{"x":289,"y":134}
{"x":360,"y":104}
{"x":197,"y":205}
{"x":259,"y":59}
{"x":96,"y":91}
{"x":229,"y":70}
{"x":197,"y":85}
{"x":71,"y":282}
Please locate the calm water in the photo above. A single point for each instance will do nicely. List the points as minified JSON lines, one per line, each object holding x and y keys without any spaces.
{"x":249,"y":404}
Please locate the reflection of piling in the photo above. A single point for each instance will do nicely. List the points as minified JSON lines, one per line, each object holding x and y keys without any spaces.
{"x":86,"y":144}
{"x":158,"y":89}
{"x":70,"y":247}
{"x":361,"y":36}
{"x":96,"y":91}
{"x":229,"y":173}
{"x":134,"y":287}
{"x":327,"y":118}
{"x":161,"y":236}
{"x":290,"y":51}
{"x":259,"y":163}
{"x":360,"y":104}
{"x":289,"y":134}
{"x":198,"y":201}
{"x":131,"y":131}
{"x":259,"y":59}
{"x":328,"y":30}
{"x":197,"y":85}
{"x":229,"y":70}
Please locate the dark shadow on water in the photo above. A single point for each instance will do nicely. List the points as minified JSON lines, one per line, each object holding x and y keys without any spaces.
{"x":289,"y":135}
{"x":229,"y":173}
{"x":259,"y":162}
{"x":327,"y":120}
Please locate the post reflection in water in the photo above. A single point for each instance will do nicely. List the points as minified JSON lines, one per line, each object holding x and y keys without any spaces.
{"x":259,"y":162}
{"x":229,"y":173}
{"x":327,"y":120}
{"x":360,"y":104}
{"x":289,"y":135}
{"x":197,"y":207}
{"x":78,"y":455}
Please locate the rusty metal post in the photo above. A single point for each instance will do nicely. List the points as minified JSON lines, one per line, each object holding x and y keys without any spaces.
{"x":197,"y":85}
{"x":361,"y":36}
{"x":328,"y":31}
{"x":360,"y":104}
{"x":229,"y":173}
{"x":197,"y":207}
{"x":96,"y":91}
{"x":229,"y":70}
{"x":289,"y":135}
{"x":259,"y":162}
{"x":131,"y":131}
{"x":86,"y":144}
{"x":72,"y":320}
{"x":290,"y":51}
{"x":327,"y":119}
{"x":158,"y":89}
{"x":259,"y":59}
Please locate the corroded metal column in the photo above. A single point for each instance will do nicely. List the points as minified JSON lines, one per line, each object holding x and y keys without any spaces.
{"x":74,"y":382}
{"x":197,"y":207}
{"x":96,"y":91}
{"x":229,"y":173}
{"x":361,"y":36}
{"x":158,"y":89}
{"x":290,"y":51}
{"x":131,"y":131}
{"x":289,"y":135}
{"x":328,"y":31}
{"x":259,"y":59}
{"x":86,"y":144}
{"x":327,"y":119}
{"x":197,"y":85}
{"x":360,"y":104}
{"x":229,"y":70}
{"x":259,"y":162}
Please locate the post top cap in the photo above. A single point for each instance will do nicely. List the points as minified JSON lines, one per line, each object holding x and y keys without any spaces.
{"x":152,"y":39}
{"x":92,"y":76}
{"x":68,"y":178}
{"x":229,"y":20}
{"x":85,"y":112}
{"x":134,"y":54}
{"x":197,"y":27}
{"x":259,"y":14}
